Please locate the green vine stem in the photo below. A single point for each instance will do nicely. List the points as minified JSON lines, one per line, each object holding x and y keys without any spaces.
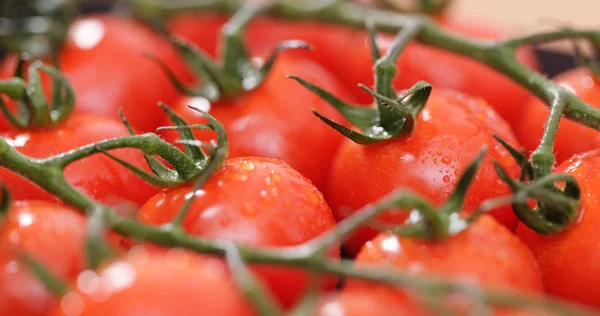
{"x":308,"y":256}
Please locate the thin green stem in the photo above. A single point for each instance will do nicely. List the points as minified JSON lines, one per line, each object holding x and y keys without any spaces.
{"x":542,"y":157}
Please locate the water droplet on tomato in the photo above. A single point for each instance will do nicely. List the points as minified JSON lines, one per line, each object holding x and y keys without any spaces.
{"x":12,"y":267}
{"x":88,"y":281}
{"x":447,"y":160}
{"x":248,"y":165}
{"x":71,"y":304}
{"x":446,"y":179}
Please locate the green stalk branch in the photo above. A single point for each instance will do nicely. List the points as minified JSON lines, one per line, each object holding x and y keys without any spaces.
{"x":307,"y":256}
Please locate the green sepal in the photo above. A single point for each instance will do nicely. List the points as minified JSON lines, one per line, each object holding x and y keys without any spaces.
{"x":96,"y":247}
{"x":156,"y":166}
{"x":456,"y":200}
{"x":526,"y":167}
{"x":196,"y":153}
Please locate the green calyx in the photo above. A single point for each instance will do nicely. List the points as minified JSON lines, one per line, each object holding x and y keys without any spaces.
{"x":33,"y":110}
{"x":392,"y":115}
{"x":235,"y":73}
{"x":204,"y":157}
{"x":37,"y":28}
{"x":556,"y":208}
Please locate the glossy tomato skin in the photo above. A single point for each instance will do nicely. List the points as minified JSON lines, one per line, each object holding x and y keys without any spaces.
{"x":103,"y":58}
{"x":367,"y":302}
{"x":275,"y":120}
{"x":569,"y":260}
{"x":451,"y":130}
{"x":353,"y":66}
{"x":466,"y":257}
{"x":96,"y":176}
{"x":156,"y":283}
{"x":255,"y":201}
{"x":582,"y":83}
{"x":51,"y":234}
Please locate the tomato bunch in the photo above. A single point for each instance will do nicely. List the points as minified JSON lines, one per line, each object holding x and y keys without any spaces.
{"x":292,"y":181}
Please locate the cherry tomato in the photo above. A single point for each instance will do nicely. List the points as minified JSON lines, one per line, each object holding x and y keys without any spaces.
{"x":569,"y":260}
{"x":152,"y":283}
{"x":103,"y":58}
{"x":96,"y":176}
{"x":465,"y":257}
{"x":450,"y":131}
{"x":255,"y":201}
{"x":418,"y":62}
{"x":51,"y":234}
{"x":275,"y":120}
{"x":535,"y":114}
{"x":367,"y":302}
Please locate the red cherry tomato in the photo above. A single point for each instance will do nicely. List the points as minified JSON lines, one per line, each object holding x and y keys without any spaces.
{"x":103,"y":58}
{"x":418,"y":62}
{"x":51,"y":234}
{"x":450,"y":131}
{"x":569,"y":260}
{"x":255,"y":201}
{"x":275,"y":120}
{"x":466,"y":257}
{"x":535,"y":114}
{"x":367,"y":302}
{"x":97,"y":176}
{"x":151,"y":283}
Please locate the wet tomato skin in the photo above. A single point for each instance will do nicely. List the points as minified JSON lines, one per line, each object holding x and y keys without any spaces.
{"x":275,"y":120}
{"x":529,"y":131}
{"x":156,"y":283}
{"x":54,"y":236}
{"x":467,"y":255}
{"x":96,"y":176}
{"x":255,"y":201}
{"x":450,"y":131}
{"x":569,"y":260}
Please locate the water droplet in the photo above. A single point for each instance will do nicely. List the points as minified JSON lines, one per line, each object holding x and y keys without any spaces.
{"x":71,"y":304}
{"x":248,"y":165}
{"x":447,"y":160}
{"x":314,"y":198}
{"x":237,"y":176}
{"x":268,"y":181}
{"x":225,"y":221}
{"x":220,"y":183}
{"x":249,"y":210}
{"x":119,"y":276}
{"x":423,"y":161}
{"x":446,"y":179}
{"x":12,"y":267}
{"x":88,"y":281}
{"x":439,"y":153}
{"x":435,"y":160}
{"x":302,"y":220}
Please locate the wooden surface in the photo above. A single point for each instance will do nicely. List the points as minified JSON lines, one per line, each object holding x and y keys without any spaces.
{"x":531,"y":15}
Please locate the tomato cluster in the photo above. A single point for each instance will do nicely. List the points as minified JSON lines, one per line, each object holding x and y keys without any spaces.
{"x":289,"y":178}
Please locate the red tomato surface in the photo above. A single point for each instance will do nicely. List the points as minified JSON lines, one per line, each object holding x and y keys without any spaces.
{"x":450,"y":131}
{"x":367,"y":302}
{"x":150,"y":283}
{"x":51,"y":234}
{"x":570,"y":260}
{"x":97,"y":176}
{"x":485,"y":254}
{"x":331,"y":45}
{"x":275,"y":120}
{"x":572,"y":137}
{"x":103,"y":59}
{"x":255,"y":201}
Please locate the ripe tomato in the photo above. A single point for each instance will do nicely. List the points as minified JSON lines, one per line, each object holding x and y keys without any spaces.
{"x":97,"y":176}
{"x":275,"y":120}
{"x":103,"y":59}
{"x":151,"y":283}
{"x":363,"y":302}
{"x":569,"y":260}
{"x":535,"y":114}
{"x":255,"y":201}
{"x":54,"y":236}
{"x":418,"y":62}
{"x":465,"y":257}
{"x":449,"y":133}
